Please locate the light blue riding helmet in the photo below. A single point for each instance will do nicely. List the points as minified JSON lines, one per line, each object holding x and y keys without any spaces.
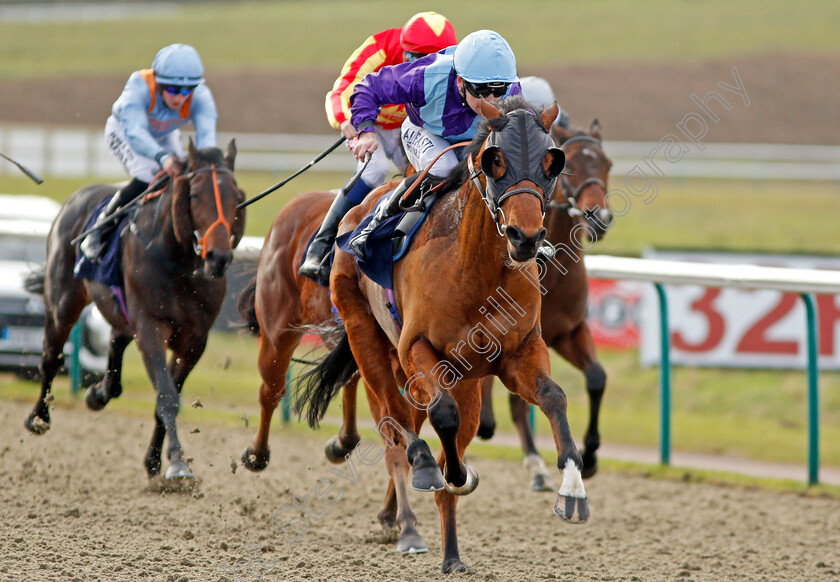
{"x":178,"y":64}
{"x":485,"y":57}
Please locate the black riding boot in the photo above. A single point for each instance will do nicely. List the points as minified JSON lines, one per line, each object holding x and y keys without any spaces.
{"x":313,"y":265}
{"x":92,"y":245}
{"x":386,"y":210}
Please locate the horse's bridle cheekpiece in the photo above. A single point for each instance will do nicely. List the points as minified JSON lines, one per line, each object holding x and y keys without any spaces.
{"x":200,"y":242}
{"x":523,"y":151}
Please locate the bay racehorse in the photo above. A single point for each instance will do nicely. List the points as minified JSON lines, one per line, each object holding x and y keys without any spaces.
{"x":467,"y":311}
{"x":173,"y":258}
{"x":577,"y":218}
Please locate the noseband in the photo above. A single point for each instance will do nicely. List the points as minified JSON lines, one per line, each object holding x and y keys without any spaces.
{"x":200,"y":243}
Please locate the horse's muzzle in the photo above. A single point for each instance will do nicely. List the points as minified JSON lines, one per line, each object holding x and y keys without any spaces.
{"x":522,"y":247}
{"x":216,"y":262}
{"x":597,"y":224}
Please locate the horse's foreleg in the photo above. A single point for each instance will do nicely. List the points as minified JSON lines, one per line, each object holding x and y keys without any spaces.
{"x":179,"y":368}
{"x":341,"y":445}
{"x":487,"y":422}
{"x":540,"y":478}
{"x":273,"y":363}
{"x":525,"y":372}
{"x":468,"y":396}
{"x":150,"y":341}
{"x":579,"y":349}
{"x":443,"y":413}
{"x":97,"y":396}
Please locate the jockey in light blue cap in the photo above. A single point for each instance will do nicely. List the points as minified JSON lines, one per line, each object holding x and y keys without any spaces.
{"x":441,"y":93}
{"x":143,"y":131}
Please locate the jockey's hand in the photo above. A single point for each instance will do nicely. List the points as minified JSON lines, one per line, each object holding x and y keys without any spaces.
{"x":347,"y":130}
{"x":173,"y":166}
{"x":364,"y":143}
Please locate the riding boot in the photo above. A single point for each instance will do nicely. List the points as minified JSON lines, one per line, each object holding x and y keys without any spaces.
{"x":321,"y":244}
{"x":386,"y":210}
{"x":93,"y":244}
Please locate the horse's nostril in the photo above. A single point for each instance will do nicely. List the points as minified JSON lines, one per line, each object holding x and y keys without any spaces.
{"x":514,"y":235}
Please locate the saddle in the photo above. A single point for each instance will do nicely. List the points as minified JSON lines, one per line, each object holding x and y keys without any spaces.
{"x":107,"y":271}
{"x":388,"y":243}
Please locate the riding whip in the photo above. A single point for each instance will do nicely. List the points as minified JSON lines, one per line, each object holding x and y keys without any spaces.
{"x":23,"y":169}
{"x":122,"y":210}
{"x":314,"y":161}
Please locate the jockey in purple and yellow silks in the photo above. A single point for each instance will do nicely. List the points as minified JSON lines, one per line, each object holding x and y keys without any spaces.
{"x":441,"y":94}
{"x":424,"y":33}
{"x":143,"y":131}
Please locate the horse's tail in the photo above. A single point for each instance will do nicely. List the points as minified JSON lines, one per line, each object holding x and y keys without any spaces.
{"x":34,"y":281}
{"x":247,"y":306}
{"x":318,"y":385}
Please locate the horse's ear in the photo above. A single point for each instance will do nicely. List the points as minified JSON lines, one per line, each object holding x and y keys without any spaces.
{"x":230,"y":156}
{"x":181,"y":215}
{"x":595,"y":129}
{"x":193,"y":151}
{"x":549,"y":115}
{"x":238,"y":228}
{"x":488,"y":110}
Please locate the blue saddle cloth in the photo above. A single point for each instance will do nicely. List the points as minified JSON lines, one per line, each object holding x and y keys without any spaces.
{"x":387,"y":244}
{"x":107,"y":271}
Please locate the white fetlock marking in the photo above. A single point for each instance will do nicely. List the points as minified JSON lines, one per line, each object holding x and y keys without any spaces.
{"x":572,"y":485}
{"x":535,"y":465}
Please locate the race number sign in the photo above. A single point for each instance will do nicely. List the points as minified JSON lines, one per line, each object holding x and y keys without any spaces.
{"x":737,"y":327}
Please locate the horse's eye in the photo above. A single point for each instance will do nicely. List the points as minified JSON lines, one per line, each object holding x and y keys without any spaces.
{"x":497,"y":161}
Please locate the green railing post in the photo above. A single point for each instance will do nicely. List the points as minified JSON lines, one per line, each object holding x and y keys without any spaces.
{"x":813,"y":391}
{"x":74,"y":366}
{"x":664,"y":379}
{"x":286,"y":403}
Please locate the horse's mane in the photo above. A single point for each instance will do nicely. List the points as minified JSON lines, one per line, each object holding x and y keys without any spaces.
{"x":461,"y":173}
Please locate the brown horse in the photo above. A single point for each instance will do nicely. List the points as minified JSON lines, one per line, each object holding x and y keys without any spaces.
{"x":578,"y":206}
{"x":173,"y":258}
{"x":462,"y":295}
{"x":279,"y":305}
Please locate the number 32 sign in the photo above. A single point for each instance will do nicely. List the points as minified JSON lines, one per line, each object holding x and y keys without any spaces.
{"x":737,"y":327}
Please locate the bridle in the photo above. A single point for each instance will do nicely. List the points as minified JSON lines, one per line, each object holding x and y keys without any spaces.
{"x":200,"y":242}
{"x":570,"y":191}
{"x":526,"y":146}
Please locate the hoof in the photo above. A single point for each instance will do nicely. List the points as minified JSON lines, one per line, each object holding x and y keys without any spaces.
{"x":335,"y":451}
{"x":572,"y":505}
{"x":486,"y":431}
{"x":94,"y":400}
{"x":179,"y":470}
{"x":411,"y":543}
{"x":454,"y":565}
{"x":427,"y":479}
{"x":540,"y":478}
{"x":469,"y":485}
{"x":255,"y":461}
{"x":36,"y":425}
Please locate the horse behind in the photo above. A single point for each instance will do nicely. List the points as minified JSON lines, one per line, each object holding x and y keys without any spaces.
{"x":173,"y":259}
{"x":467,"y":311}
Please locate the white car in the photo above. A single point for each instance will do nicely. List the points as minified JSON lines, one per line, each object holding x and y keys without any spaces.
{"x":24,"y":225}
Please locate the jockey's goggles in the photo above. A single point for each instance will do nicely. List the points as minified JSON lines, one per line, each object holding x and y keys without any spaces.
{"x":479,"y":90}
{"x":178,"y":89}
{"x":411,"y":56}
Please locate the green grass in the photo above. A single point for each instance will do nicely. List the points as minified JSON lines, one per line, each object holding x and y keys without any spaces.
{"x":320,"y":33}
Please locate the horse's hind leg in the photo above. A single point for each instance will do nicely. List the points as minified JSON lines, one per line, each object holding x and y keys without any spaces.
{"x":97,"y":396}
{"x":487,"y":422}
{"x":59,"y":323}
{"x":273,"y":363}
{"x":579,"y":349}
{"x":341,"y":445}
{"x":540,"y":478}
